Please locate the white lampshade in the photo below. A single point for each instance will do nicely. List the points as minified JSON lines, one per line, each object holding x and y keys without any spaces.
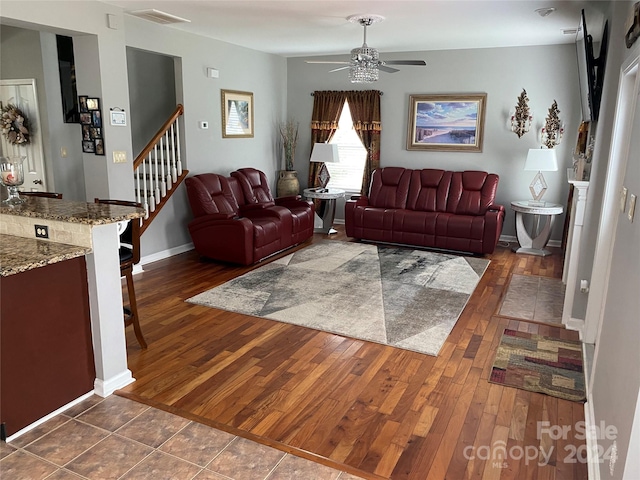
{"x":541,"y":160}
{"x":325,"y":152}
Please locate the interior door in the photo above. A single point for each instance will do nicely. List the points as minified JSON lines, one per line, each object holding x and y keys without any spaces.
{"x":22,"y":94}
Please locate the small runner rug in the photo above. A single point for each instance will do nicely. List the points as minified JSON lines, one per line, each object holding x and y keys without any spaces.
{"x":540,"y":364}
{"x":397,"y":296}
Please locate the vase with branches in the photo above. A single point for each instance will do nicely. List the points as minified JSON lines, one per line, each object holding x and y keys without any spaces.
{"x":289,"y":135}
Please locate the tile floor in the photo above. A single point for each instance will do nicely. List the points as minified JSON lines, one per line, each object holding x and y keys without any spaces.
{"x":117,"y":438}
{"x":533,"y":297}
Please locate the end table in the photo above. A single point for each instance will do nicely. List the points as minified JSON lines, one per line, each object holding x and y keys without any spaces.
{"x":328,"y":197}
{"x":534,"y":243}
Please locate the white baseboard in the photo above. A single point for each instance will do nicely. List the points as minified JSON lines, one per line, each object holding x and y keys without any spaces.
{"x":49,"y":416}
{"x":104,"y":388}
{"x":513,"y":239}
{"x":164,"y":254}
{"x":576,"y":324}
{"x":593,"y":459}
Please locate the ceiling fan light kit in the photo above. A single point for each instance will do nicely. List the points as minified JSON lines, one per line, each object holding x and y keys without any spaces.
{"x":365,"y":64}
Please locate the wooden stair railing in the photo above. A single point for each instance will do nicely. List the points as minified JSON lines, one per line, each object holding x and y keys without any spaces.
{"x":158,"y":169}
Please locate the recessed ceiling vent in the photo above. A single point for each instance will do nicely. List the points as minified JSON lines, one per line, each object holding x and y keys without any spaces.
{"x":158,"y":16}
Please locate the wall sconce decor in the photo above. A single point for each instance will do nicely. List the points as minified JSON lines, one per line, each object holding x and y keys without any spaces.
{"x":551,"y":133}
{"x":521,"y":118}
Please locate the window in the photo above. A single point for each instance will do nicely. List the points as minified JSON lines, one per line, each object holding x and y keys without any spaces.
{"x":347,"y":173}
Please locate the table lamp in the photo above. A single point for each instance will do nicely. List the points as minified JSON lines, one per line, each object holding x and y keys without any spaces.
{"x":325,"y":153}
{"x":542,"y":160}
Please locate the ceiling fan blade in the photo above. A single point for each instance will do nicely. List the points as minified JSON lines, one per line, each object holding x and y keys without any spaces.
{"x":387,"y":69}
{"x":338,"y":69}
{"x":421,"y":63}
{"x":326,"y":62}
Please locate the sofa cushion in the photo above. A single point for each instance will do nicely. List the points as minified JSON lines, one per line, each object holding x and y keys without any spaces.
{"x":255,"y":186}
{"x":210,"y":193}
{"x":389,"y":187}
{"x":428,"y":190}
{"x":471,"y":192}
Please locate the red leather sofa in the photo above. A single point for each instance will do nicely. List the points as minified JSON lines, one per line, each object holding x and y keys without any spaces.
{"x":428,"y":208}
{"x":237,"y":220}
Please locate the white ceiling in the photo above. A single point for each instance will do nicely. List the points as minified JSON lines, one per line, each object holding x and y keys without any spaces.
{"x":294,"y":28}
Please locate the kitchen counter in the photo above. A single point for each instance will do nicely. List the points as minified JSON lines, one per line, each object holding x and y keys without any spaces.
{"x":62,"y":319}
{"x":18,"y":254}
{"x":71,"y":212}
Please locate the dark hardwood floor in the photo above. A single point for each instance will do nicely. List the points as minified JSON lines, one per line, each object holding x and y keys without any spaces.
{"x":369,"y":409}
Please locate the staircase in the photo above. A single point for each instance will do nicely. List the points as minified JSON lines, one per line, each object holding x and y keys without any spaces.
{"x":158,"y":169}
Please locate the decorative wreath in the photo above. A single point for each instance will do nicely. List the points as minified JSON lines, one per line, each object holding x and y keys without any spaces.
{"x":15,"y":125}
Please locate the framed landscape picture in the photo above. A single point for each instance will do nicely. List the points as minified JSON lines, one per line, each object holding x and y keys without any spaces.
{"x":237,"y":114}
{"x":446,"y":123}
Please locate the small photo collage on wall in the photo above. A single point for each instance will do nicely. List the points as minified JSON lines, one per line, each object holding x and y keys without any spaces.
{"x":91,"y":122}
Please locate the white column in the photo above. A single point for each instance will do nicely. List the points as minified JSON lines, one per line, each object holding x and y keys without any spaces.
{"x":570,"y":271}
{"x":105,"y":303}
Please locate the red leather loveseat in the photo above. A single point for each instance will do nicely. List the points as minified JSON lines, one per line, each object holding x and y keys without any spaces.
{"x":238,"y":221}
{"x":428,"y":208}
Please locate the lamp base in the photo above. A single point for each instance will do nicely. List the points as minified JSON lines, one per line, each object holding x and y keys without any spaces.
{"x":323,"y":176}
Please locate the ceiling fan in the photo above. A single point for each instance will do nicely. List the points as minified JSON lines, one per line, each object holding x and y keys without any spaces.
{"x":365,"y":63}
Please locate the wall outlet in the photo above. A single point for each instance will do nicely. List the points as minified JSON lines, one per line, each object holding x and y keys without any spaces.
{"x":119,"y":156}
{"x":204,"y":125}
{"x":42,"y":231}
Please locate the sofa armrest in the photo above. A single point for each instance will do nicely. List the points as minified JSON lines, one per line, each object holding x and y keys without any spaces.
{"x":249,"y":207}
{"x":349,"y":212}
{"x":494,"y":218}
{"x":226,"y":239}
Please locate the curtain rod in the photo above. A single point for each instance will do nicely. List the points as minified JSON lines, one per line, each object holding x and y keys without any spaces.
{"x":381,"y":93}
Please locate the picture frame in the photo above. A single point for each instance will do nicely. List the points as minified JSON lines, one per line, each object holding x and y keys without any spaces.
{"x":99,"y":146}
{"x":82,"y":104}
{"x":86,"y":132}
{"x":95,"y":132}
{"x":93,"y":103}
{"x":237,"y":114}
{"x":88,"y":146}
{"x":86,"y":118}
{"x":446,"y":122}
{"x":96,"y":118}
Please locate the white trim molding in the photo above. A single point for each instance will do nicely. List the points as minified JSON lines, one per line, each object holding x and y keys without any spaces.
{"x":49,"y":416}
{"x":104,"y":388}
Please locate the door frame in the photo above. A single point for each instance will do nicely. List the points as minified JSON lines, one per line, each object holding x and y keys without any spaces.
{"x":34,"y":118}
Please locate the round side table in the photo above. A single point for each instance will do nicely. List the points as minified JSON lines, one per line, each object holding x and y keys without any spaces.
{"x":328,"y":197}
{"x":535,"y":243}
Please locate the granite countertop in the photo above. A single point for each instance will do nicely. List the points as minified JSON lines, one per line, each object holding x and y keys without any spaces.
{"x":72,"y":212}
{"x":19,"y":254}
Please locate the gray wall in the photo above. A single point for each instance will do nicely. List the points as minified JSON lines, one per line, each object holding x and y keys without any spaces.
{"x":18,"y":44}
{"x":547,"y":73}
{"x":205,"y":150}
{"x":152,"y":94}
{"x":616,"y":376}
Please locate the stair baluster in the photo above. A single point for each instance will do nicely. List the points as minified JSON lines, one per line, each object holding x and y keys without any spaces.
{"x":155,"y":187}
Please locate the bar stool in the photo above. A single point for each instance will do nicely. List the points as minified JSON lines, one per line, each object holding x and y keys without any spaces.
{"x":129,"y":256}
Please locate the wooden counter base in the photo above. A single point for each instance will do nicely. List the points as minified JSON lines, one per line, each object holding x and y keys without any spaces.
{"x":46,"y":351}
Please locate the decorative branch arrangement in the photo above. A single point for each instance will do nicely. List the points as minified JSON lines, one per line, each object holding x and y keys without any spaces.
{"x":289,"y":134}
{"x":521,"y":119}
{"x":552,"y":132}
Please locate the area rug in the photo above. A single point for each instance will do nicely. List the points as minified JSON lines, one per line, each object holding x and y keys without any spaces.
{"x":540,"y":364}
{"x":535,"y":298}
{"x":397,"y":296}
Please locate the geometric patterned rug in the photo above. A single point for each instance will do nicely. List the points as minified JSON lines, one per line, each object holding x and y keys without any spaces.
{"x":402,"y":297}
{"x":540,"y":364}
